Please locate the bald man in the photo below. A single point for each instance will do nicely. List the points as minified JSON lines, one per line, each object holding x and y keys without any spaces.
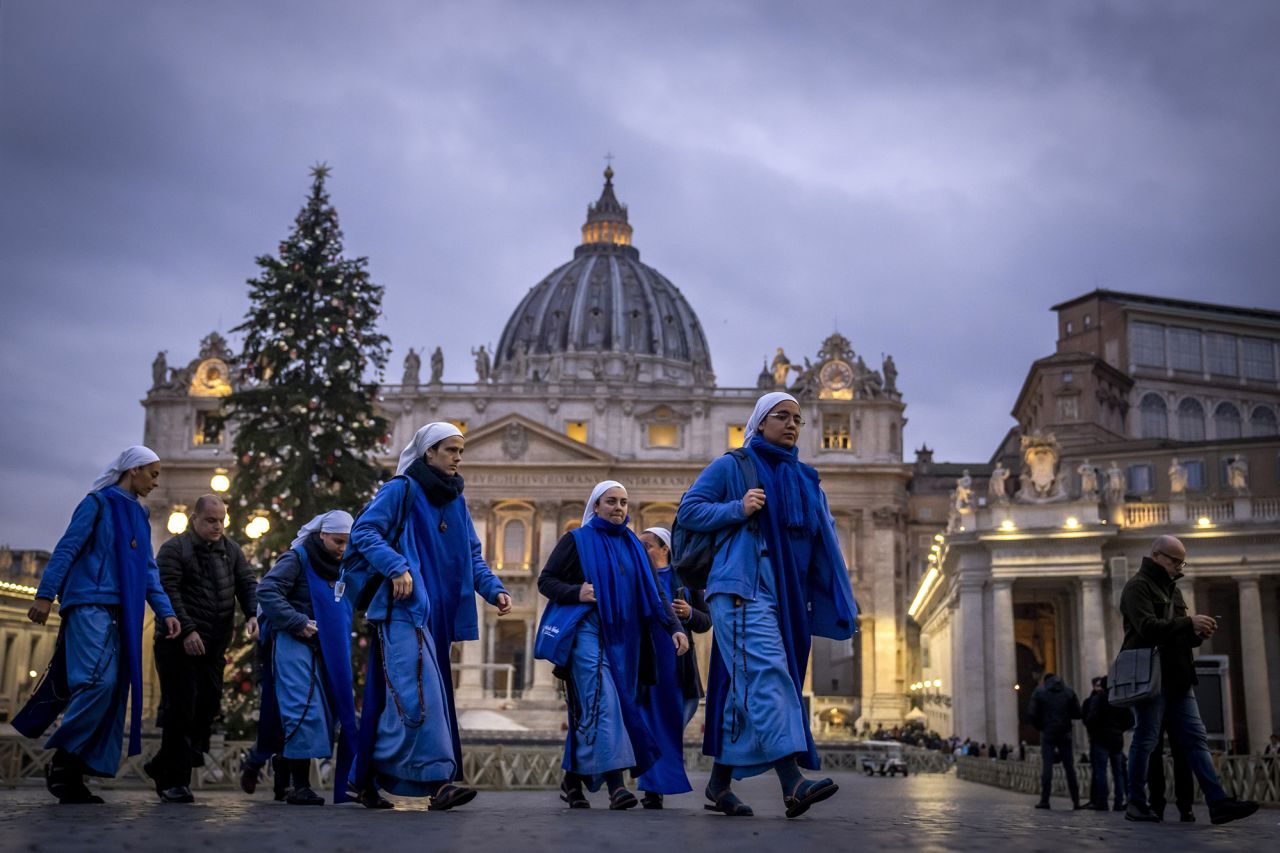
{"x":1155,"y":616}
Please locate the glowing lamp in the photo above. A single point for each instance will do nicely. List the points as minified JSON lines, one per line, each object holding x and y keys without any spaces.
{"x":220,"y":482}
{"x":1008,"y":524}
{"x":177,"y":523}
{"x":938,"y":537}
{"x":1204,"y":521}
{"x":32,"y":674}
{"x":937,"y":682}
{"x":1072,"y":523}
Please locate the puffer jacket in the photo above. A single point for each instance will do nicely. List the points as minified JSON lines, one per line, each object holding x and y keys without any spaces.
{"x":204,"y":580}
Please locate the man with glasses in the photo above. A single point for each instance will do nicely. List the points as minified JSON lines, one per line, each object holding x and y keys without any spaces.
{"x":1155,"y":616}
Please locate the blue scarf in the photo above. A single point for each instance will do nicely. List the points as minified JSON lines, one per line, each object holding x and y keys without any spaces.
{"x":333,"y":623}
{"x":811,"y":579}
{"x":614,"y":562}
{"x":133,"y":558}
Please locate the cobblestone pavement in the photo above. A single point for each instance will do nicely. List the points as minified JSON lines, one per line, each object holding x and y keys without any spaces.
{"x":927,"y":812}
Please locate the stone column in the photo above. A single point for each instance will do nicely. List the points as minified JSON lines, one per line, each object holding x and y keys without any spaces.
{"x":470,"y":682}
{"x":1187,"y":586}
{"x":887,"y":699}
{"x":969,"y":694}
{"x":1253,"y":653}
{"x":544,"y":683}
{"x":1093,"y":640}
{"x":1004,"y":662}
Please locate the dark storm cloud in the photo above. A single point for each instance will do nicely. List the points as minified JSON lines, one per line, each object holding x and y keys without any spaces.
{"x":927,"y":177}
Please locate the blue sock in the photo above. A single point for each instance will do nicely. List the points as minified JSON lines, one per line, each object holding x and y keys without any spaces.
{"x":789,"y":775}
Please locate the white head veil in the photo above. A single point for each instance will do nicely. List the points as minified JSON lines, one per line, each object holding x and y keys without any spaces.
{"x":334,"y":521}
{"x":662,"y":533}
{"x":428,"y":436}
{"x":133,"y":457}
{"x":601,"y":487}
{"x":763,"y":407}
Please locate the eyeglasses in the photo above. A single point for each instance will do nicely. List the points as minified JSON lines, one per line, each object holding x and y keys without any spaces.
{"x":1177,"y":564}
{"x":787,"y":418}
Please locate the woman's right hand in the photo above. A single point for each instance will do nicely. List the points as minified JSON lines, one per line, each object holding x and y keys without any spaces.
{"x":402,"y":586}
{"x":587,"y":593}
{"x":753,"y":501}
{"x":39,"y":611}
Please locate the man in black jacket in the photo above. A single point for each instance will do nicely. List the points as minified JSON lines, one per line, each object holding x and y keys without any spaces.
{"x":1155,"y":616}
{"x":1106,"y":725}
{"x":1053,"y":706}
{"x":204,"y":574}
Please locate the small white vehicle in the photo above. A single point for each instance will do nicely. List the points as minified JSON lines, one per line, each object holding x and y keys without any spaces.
{"x":883,"y":758}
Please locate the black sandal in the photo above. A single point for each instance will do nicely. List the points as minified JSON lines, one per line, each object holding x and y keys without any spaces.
{"x":651,"y":801}
{"x":371,"y":799}
{"x":572,"y":794}
{"x":621,"y":800}
{"x":727,"y":803}
{"x":815,"y":791}
{"x":450,"y":796}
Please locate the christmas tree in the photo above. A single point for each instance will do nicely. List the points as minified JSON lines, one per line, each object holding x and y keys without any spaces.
{"x":306,"y":428}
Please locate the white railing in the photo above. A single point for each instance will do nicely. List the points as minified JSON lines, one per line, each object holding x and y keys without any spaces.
{"x":1145,"y":515}
{"x":1213,"y":510}
{"x":1268,"y":508}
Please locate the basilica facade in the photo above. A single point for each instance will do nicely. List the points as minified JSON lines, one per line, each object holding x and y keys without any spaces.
{"x":602,"y":372}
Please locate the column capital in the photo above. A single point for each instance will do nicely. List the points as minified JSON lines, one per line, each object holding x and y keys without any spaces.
{"x":1091,"y":581}
{"x":1247,"y":581}
{"x":1002,"y":584}
{"x":478,"y":505}
{"x":548,"y":508}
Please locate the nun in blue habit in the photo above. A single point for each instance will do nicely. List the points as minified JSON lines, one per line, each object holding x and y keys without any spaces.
{"x":101,"y":572}
{"x":425,"y":568}
{"x":614,"y":641}
{"x":305,"y":627}
{"x":774,"y":585}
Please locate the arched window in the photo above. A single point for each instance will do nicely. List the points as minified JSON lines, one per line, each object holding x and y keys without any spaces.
{"x":1190,"y":420}
{"x":1226,"y":421}
{"x":1155,"y":417}
{"x":1263,"y":421}
{"x":513,"y":541}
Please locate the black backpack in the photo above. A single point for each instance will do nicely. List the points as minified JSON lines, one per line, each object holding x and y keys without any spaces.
{"x":693,"y":552}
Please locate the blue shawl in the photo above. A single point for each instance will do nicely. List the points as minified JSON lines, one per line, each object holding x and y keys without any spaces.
{"x":133,"y":556}
{"x":614,"y":562}
{"x":811,"y":579}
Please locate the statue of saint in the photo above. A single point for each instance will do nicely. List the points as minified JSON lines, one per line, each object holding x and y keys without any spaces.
{"x":1115,"y":484}
{"x":437,"y":366}
{"x":964,"y":491}
{"x":520,"y":360}
{"x":159,"y":371}
{"x":412,"y":364}
{"x":1238,"y":474}
{"x":1177,"y":479}
{"x":997,"y":485}
{"x":483,"y":365}
{"x":1088,"y":480}
{"x":890,"y":375}
{"x":781,"y":368}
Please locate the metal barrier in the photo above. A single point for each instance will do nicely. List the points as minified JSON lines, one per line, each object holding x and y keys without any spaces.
{"x":1246,"y":777}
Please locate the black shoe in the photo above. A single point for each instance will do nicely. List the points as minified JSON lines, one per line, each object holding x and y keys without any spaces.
{"x":249,"y":778}
{"x":150,"y":769}
{"x":177,"y":794}
{"x":1043,"y":804}
{"x":1186,"y":816}
{"x":1075,"y":806}
{"x":651,"y":801}
{"x":1099,"y":807}
{"x":571,"y":792}
{"x":1225,"y":811}
{"x":67,"y":784}
{"x":304,"y":796}
{"x":280,"y":778}
{"x":1142,"y":814}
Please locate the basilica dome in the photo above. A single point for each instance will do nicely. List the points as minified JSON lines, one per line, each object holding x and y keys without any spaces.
{"x":604,"y":315}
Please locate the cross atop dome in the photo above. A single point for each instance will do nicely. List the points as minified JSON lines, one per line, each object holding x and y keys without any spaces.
{"x":607,"y":219}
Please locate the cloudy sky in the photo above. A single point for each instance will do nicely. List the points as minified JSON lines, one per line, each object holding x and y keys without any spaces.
{"x":931,"y":176}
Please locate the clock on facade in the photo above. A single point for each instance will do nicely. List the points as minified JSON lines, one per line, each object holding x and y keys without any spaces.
{"x":837,"y":379}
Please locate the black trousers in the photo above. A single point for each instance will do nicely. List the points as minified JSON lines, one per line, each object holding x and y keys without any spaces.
{"x":1051,"y":752}
{"x":190,"y":699}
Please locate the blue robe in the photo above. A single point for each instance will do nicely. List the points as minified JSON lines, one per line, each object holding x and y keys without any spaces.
{"x":615,"y":723}
{"x":102,"y":572}
{"x":410,"y":744}
{"x":307,"y":689}
{"x":755,"y":710}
